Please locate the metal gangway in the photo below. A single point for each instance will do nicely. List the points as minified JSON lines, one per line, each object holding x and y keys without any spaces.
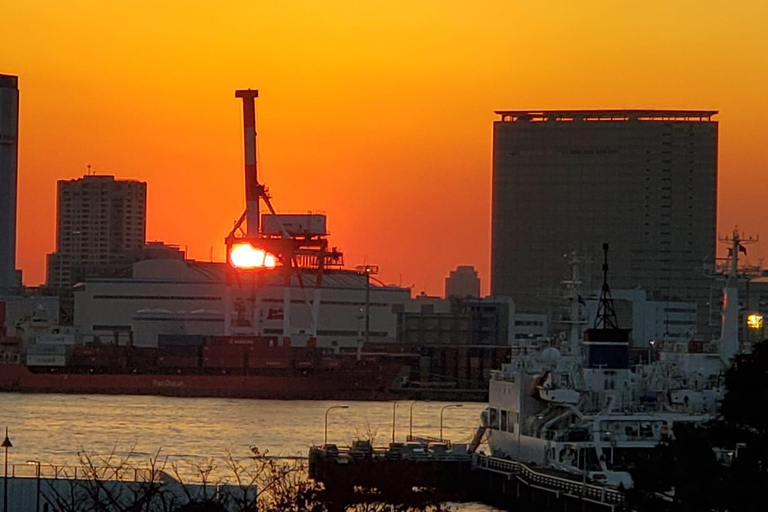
{"x":539,"y":479}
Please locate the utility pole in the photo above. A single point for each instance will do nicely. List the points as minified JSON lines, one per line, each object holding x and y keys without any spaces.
{"x":367,"y":271}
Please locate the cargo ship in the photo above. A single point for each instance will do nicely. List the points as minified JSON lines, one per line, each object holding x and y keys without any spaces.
{"x":245,"y":354}
{"x":216,"y":366}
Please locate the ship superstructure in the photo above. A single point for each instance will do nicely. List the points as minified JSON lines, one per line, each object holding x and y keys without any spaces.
{"x":587,"y":412}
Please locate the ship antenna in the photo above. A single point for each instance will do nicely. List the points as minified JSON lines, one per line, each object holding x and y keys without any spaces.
{"x":606,"y":315}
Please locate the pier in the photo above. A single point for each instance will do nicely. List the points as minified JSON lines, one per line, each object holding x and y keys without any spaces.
{"x":413,"y":473}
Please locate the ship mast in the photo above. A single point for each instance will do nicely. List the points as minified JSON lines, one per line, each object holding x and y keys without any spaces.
{"x":729,"y":329}
{"x":575,"y":300}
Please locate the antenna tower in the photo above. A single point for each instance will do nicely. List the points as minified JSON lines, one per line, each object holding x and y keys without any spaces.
{"x":606,"y":315}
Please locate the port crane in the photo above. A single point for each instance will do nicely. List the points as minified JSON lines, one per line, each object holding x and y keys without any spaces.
{"x":291,"y":244}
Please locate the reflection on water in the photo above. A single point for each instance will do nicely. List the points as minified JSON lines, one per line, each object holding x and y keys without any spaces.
{"x":52,"y":428}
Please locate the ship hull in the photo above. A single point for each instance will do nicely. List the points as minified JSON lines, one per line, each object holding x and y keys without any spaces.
{"x":347,"y":384}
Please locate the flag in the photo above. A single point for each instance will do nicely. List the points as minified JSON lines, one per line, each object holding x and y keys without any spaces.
{"x":743,"y":249}
{"x":581,"y":300}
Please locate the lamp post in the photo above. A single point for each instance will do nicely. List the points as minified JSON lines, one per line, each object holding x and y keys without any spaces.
{"x":325,"y":439}
{"x":441,"y":417}
{"x":410,"y":421}
{"x":6,"y":444}
{"x":394,"y":419}
{"x":37,"y":499}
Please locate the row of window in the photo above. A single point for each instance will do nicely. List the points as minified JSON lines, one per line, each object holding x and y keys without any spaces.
{"x":502,"y":420}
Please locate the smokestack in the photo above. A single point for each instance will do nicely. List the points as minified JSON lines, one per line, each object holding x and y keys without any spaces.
{"x":251,"y":179}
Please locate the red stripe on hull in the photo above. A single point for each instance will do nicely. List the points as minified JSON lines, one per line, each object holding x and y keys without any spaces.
{"x":319,"y":385}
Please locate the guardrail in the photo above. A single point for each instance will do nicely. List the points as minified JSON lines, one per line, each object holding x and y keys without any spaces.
{"x":54,"y":472}
{"x":598,"y":493}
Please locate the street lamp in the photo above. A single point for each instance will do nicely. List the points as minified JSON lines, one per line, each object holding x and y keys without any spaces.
{"x":410,"y":422}
{"x":6,"y":444}
{"x":441,"y":417}
{"x":394,"y":419}
{"x":325,"y":439}
{"x":37,"y":499}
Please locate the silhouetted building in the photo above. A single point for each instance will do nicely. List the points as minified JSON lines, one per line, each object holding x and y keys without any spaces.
{"x":643,"y":181}
{"x":99,"y":221}
{"x":9,"y":151}
{"x":462,"y":282}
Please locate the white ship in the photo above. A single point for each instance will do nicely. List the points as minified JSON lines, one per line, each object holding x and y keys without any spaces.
{"x":586,"y":413}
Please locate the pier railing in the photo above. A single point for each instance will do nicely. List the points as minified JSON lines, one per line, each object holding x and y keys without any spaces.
{"x":545,"y":481}
{"x":117,"y":474}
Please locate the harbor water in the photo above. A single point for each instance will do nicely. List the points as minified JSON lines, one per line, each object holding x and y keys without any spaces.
{"x":53,"y":428}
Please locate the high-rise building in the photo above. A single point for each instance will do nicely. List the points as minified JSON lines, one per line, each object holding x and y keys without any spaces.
{"x":462,"y":283}
{"x":99,"y":220}
{"x":9,"y":151}
{"x":643,"y":181}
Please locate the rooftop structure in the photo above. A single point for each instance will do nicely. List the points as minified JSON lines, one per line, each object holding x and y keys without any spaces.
{"x":616,"y":116}
{"x":462,"y":282}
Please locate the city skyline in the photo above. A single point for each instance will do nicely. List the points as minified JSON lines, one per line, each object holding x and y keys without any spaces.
{"x":347,"y":124}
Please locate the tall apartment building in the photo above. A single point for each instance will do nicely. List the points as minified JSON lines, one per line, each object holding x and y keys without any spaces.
{"x":462,"y":283}
{"x":644,"y":181}
{"x":9,"y":150}
{"x":99,"y":220}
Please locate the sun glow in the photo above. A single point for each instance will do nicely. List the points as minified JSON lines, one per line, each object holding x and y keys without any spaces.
{"x":246,"y":256}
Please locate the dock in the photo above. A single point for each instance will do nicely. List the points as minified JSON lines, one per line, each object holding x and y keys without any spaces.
{"x":415,"y":474}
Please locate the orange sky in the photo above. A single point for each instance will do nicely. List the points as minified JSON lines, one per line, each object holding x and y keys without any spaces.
{"x":378,"y":113}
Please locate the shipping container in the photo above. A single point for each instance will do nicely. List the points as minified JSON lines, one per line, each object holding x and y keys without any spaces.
{"x":217,"y":341}
{"x":46,"y":350}
{"x":46,"y":360}
{"x":183,"y":340}
{"x":96,"y":349}
{"x":98,"y":361}
{"x":179,"y":350}
{"x":55,"y":339}
{"x":223,"y":362}
{"x":225,"y":351}
{"x":143,"y":358}
{"x":294,"y":224}
{"x":268,"y":362}
{"x":178,"y":362}
{"x":330,"y":363}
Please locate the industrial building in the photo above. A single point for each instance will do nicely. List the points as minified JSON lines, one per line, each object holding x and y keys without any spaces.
{"x":99,"y":220}
{"x":176,"y":297}
{"x":9,"y":154}
{"x":643,"y":181}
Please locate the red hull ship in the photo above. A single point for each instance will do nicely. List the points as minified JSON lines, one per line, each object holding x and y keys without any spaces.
{"x":222,"y":367}
{"x":349,"y":384}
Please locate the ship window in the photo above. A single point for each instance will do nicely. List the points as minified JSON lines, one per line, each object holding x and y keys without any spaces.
{"x":503,"y":421}
{"x":493,"y":420}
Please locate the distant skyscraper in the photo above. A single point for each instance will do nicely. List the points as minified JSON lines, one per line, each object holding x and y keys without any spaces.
{"x":462,"y":282}
{"x":99,"y":219}
{"x":643,"y":181}
{"x":9,"y":150}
